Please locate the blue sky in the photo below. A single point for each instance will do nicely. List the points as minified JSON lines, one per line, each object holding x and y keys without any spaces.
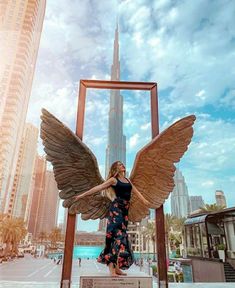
{"x":187,"y":47}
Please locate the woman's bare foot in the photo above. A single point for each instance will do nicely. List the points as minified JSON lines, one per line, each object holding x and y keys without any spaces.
{"x":112,"y":270}
{"x":119,"y":272}
{"x":113,"y":274}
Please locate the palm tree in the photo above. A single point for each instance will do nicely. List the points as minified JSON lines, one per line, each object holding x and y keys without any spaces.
{"x":179,"y":224}
{"x":211,"y":208}
{"x":175,"y":239}
{"x":174,"y":230}
{"x":12,"y":231}
{"x":150,"y":233}
{"x":169,"y":223}
{"x":42,"y":236}
{"x":55,"y":236}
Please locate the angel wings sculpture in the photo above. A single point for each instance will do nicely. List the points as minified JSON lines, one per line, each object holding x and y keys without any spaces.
{"x":76,"y":169}
{"x":77,"y":176}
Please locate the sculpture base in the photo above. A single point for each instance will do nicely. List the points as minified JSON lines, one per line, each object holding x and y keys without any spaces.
{"x":115,"y":282}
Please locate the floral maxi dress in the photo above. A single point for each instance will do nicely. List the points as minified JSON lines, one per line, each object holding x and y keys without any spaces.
{"x":117,"y":247}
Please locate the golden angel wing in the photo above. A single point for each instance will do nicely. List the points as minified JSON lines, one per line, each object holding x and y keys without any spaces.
{"x":75,"y":168}
{"x":154,"y":168}
{"x":91,"y":207}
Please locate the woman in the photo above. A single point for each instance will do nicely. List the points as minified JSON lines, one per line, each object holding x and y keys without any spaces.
{"x":117,"y":253}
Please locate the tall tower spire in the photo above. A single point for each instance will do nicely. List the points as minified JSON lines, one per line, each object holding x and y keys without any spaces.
{"x":116,"y":149}
{"x":115,"y":69}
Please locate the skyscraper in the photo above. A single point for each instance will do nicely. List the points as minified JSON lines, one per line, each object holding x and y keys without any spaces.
{"x":21,"y":195}
{"x":39,"y":184}
{"x":195,"y":203}
{"x":116,"y":149}
{"x":20,"y":30}
{"x":48,"y":206}
{"x":44,"y":209}
{"x":179,"y":196}
{"x":220,"y":198}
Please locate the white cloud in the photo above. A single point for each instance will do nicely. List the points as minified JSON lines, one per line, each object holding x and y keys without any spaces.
{"x":155,"y":41}
{"x":188,"y":56}
{"x":95,"y":141}
{"x":229,"y":99}
{"x":145,"y":126}
{"x":201,"y":94}
{"x":209,"y":163}
{"x":213,"y":147}
{"x":133,"y":141}
{"x":102,"y":170}
{"x":60,"y":102}
{"x":208,"y":183}
{"x":138,"y":39}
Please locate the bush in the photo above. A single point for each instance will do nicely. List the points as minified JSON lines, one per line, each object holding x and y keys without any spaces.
{"x":170,"y":276}
{"x":221,"y":246}
{"x":179,"y":277}
{"x":177,"y":252}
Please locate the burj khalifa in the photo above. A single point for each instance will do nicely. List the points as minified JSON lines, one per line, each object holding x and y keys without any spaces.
{"x":116,"y":148}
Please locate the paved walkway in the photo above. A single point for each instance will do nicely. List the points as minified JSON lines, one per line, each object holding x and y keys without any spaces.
{"x":44,"y":273}
{"x":13,"y":284}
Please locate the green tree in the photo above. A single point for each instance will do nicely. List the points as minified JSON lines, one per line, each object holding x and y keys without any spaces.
{"x":12,"y":231}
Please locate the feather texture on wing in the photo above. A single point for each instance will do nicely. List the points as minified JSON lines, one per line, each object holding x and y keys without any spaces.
{"x":153,"y":171}
{"x":75,"y":168}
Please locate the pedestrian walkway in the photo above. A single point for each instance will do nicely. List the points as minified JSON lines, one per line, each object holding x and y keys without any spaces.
{"x":13,"y":284}
{"x":39,"y":273}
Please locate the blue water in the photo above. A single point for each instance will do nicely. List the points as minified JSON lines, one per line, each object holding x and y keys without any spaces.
{"x":92,"y":252}
{"x":83,"y":252}
{"x":87,"y":251}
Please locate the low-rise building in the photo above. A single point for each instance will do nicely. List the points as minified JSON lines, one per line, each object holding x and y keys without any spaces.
{"x":210,"y":243}
{"x":90,"y":238}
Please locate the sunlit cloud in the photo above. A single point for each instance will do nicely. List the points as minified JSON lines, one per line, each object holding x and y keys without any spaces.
{"x":208,"y":183}
{"x":133,"y":141}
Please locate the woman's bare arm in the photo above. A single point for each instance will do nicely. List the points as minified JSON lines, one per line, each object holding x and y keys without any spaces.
{"x":106,"y":184}
{"x":141,"y":197}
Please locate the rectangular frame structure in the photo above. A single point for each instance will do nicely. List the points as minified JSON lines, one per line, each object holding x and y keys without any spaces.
{"x":71,"y":219}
